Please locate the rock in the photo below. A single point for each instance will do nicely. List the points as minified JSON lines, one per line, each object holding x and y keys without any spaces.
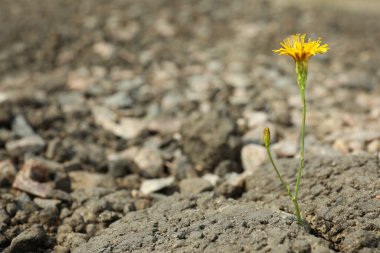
{"x":154,"y":185}
{"x":126,"y":128}
{"x":227,"y":166}
{"x":165,"y":125}
{"x":46,"y":203}
{"x":31,"y":240}
{"x":4,"y":217}
{"x":253,"y":157}
{"x":341,"y":145}
{"x":89,"y":180}
{"x":181,"y":167}
{"x":149,"y":161}
{"x":118,"y":100}
{"x":195,"y":185}
{"x":373,"y":146}
{"x":146,"y":161}
{"x":285,"y":148}
{"x":208,"y":139}
{"x":7,"y":173}
{"x":107,"y":217}
{"x":104,"y":49}
{"x":119,"y":168}
{"x":212,"y":178}
{"x":30,"y":144}
{"x":233,"y":187}
{"x":41,"y":179}
{"x":255,"y":118}
{"x":73,"y":103}
{"x":21,"y":128}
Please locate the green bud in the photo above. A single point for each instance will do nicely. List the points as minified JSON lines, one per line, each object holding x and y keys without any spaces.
{"x":266,"y":137}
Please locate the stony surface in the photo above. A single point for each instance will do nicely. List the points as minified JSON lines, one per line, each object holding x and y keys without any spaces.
{"x":338,"y":202}
{"x":125,"y":104}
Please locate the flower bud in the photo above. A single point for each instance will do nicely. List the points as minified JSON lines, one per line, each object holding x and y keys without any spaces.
{"x":266,"y":137}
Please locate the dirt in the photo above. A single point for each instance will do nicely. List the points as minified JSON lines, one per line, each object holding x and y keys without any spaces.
{"x":122,"y":125}
{"x":338,"y":203}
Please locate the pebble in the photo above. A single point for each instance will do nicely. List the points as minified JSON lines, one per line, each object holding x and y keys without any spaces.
{"x":149,"y":161}
{"x":73,"y":103}
{"x":104,"y":49}
{"x":233,"y":186}
{"x":212,"y":178}
{"x":195,"y":185}
{"x":285,"y":148}
{"x":29,"y":240}
{"x":253,"y":157}
{"x":255,"y":118}
{"x":154,"y":185}
{"x":21,"y":128}
{"x":7,"y":173}
{"x":119,"y":168}
{"x":89,"y":180}
{"x":46,"y":203}
{"x":119,"y":100}
{"x":341,"y":145}
{"x":374,"y":146}
{"x":40,"y":179}
{"x":29,"y":144}
{"x":126,"y":128}
{"x":226,"y":167}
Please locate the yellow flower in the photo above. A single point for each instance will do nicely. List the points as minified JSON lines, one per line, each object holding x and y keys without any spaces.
{"x":299,"y":50}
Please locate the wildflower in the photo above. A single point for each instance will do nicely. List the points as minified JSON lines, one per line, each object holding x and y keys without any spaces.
{"x":300,"y":51}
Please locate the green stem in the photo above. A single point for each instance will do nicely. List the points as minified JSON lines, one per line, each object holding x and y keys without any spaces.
{"x":295,"y":201}
{"x":286,"y":187}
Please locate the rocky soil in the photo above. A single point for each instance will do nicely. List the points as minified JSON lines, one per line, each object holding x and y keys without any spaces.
{"x":135,"y":126}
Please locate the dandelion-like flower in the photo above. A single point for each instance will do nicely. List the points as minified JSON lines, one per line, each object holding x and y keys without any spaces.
{"x":300,"y":50}
{"x":296,"y":47}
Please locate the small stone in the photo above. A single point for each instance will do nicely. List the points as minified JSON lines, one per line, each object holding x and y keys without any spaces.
{"x":30,"y":144}
{"x":165,"y":125}
{"x":341,"y":145}
{"x":7,"y":173}
{"x":255,"y":118}
{"x":285,"y":148}
{"x":237,"y":80}
{"x":212,"y":178}
{"x":195,"y":185}
{"x":118,"y":100}
{"x":73,"y":103}
{"x":21,"y":128}
{"x":41,"y":179}
{"x":374,"y":146}
{"x":104,"y":49}
{"x":46,"y":203}
{"x":119,"y":168}
{"x":107,"y":217}
{"x":253,"y":157}
{"x":154,"y":185}
{"x":31,"y":240}
{"x":126,"y":128}
{"x":227,"y":166}
{"x":89,"y":180}
{"x":149,"y":161}
{"x":233,"y":187}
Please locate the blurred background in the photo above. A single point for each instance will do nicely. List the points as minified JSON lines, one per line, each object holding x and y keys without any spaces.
{"x":107,"y":75}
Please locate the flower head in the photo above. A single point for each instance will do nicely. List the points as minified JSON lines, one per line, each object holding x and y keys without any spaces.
{"x":299,"y":50}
